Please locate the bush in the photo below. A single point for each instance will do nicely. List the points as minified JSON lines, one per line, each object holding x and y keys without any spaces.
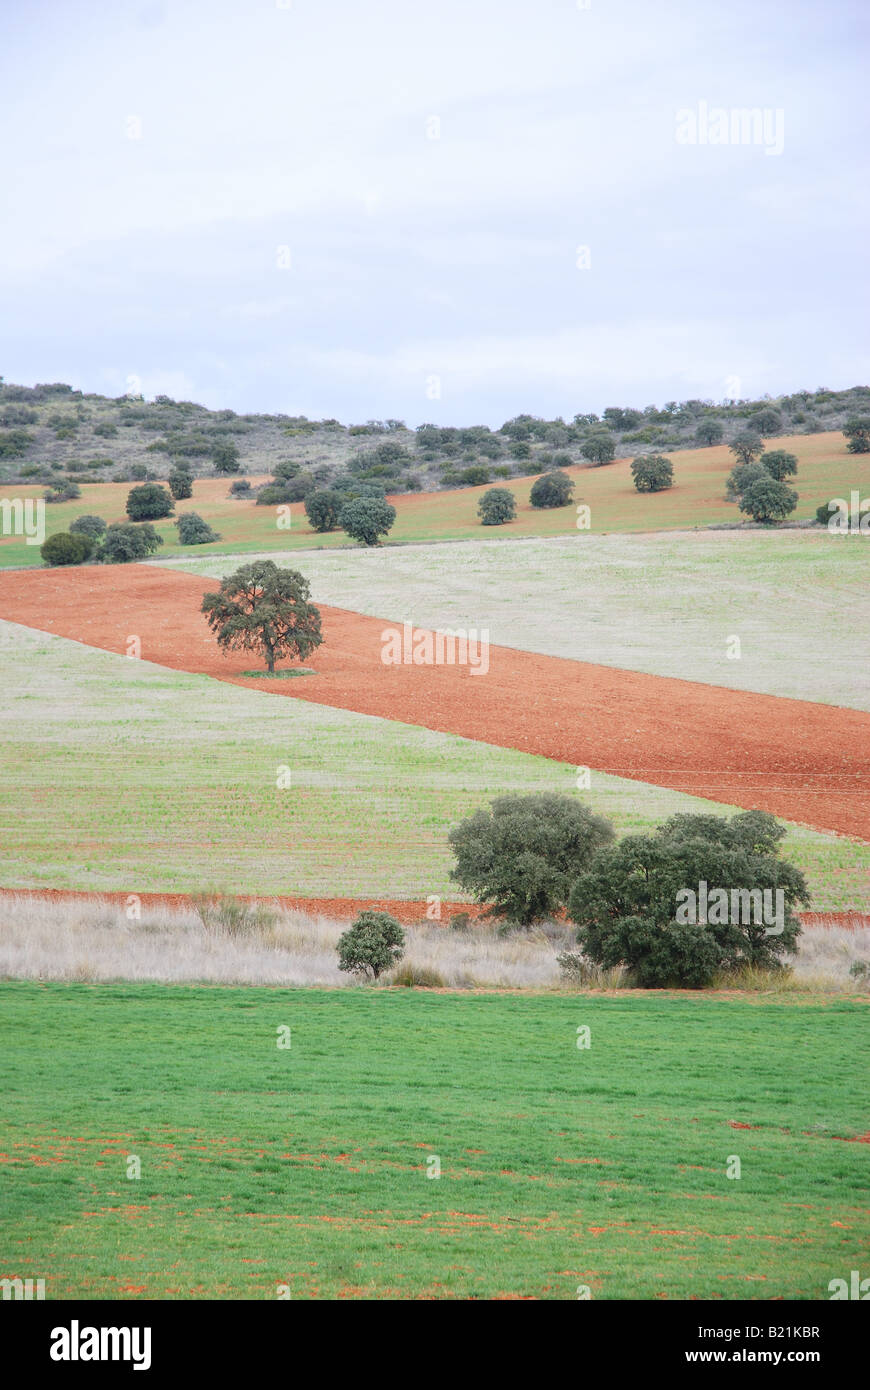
{"x":284,"y":470}
{"x":374,"y":943}
{"x":497,"y":506}
{"x":475,"y":475}
{"x":138,"y":472}
{"x":63,"y":491}
{"x":225,"y":457}
{"x":524,"y":853}
{"x":93,"y":526}
{"x":323,"y":508}
{"x":149,"y":502}
{"x":14,"y":443}
{"x":598,"y":448}
{"x":746,"y":446}
{"x":223,"y":914}
{"x":460,"y":921}
{"x":106,"y":430}
{"x":192,"y":530}
{"x":417,"y":977}
{"x":180,"y":484}
{"x":239,"y":487}
{"x":638,"y":904}
{"x":124,"y":542}
{"x":780,"y":464}
{"x":554,"y":489}
{"x":65,"y":549}
{"x":366,"y":519}
{"x":768,"y":500}
{"x":652,"y":473}
{"x":709,"y":432}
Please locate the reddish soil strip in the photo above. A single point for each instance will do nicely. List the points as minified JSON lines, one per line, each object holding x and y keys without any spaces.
{"x":406,"y":910}
{"x":809,"y":763}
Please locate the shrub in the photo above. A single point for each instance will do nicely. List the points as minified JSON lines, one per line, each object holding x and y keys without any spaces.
{"x":638,"y":904}
{"x":225,"y":456}
{"x":149,"y":502}
{"x":239,"y":487}
{"x":124,"y":542}
{"x":417,"y":977}
{"x":180,"y":483}
{"x":746,"y":446}
{"x":857,"y":431}
{"x":323,"y":508}
{"x":63,"y":491}
{"x":261,"y":608}
{"x":768,"y":500}
{"x":780,"y":464}
{"x":554,"y":489}
{"x":652,"y":473}
{"x":106,"y":430}
{"x":524,"y":853}
{"x":475,"y":475}
{"x":460,"y":921}
{"x":192,"y":530}
{"x":521,"y":450}
{"x":496,"y":507}
{"x":223,"y":914}
{"x":138,"y":472}
{"x":366,"y":519}
{"x":374,"y":943}
{"x":93,"y":526}
{"x":709,"y":432}
{"x":598,"y":448}
{"x":65,"y":549}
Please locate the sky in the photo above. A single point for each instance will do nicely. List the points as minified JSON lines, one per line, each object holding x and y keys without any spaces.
{"x":434,"y":210}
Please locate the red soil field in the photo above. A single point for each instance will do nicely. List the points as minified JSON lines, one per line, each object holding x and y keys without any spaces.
{"x":809,"y":763}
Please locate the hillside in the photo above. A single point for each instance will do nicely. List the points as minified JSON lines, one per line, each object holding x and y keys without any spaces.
{"x":48,"y":432}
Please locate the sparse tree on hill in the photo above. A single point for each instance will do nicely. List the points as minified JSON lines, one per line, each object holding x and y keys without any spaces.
{"x":225,"y":457}
{"x":767,"y":500}
{"x":497,"y":506}
{"x":652,"y":473}
{"x":709,"y":432}
{"x":150,"y":502}
{"x":180,"y":483}
{"x":598,"y":448}
{"x":554,"y":489}
{"x":323,"y":508}
{"x":746,"y":446}
{"x":261,"y":608}
{"x":779,"y":464}
{"x":857,"y":431}
{"x":125,"y":542}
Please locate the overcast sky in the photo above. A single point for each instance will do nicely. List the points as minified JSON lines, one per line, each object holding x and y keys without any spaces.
{"x":372,"y":208}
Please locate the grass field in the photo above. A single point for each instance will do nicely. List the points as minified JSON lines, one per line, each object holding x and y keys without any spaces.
{"x":122,"y":775}
{"x":697,"y":499}
{"x":307,"y":1166}
{"x":664,"y":604}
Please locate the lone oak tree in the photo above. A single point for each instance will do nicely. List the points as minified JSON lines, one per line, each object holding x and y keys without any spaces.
{"x":264,"y":609}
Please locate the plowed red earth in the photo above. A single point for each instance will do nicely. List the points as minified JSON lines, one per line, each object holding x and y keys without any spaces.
{"x":809,"y":763}
{"x":406,"y":910}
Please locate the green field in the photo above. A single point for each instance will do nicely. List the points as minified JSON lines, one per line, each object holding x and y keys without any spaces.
{"x":826,"y":470}
{"x":665,"y":604}
{"x":307,"y":1166}
{"x":122,"y":775}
